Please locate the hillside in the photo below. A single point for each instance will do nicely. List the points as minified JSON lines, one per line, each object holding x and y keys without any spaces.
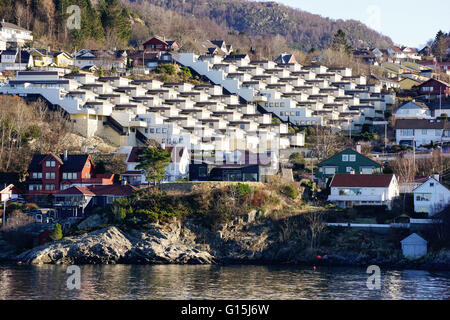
{"x":302,"y":30}
{"x":267,"y":27}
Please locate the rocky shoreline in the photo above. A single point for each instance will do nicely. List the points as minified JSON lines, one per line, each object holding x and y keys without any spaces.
{"x":240,"y":242}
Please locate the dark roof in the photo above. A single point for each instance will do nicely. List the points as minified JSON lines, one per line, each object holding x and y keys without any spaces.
{"x":362,"y":180}
{"x":421,"y":124}
{"x":101,"y":190}
{"x":74,"y":162}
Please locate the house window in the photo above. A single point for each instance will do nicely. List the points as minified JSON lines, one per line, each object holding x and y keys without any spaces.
{"x":424,"y":131}
{"x":345,"y":157}
{"x":37,"y":175}
{"x":50,"y":164}
{"x":423,"y":197}
{"x":164,"y":130}
{"x":49,"y":187}
{"x":330,"y":170}
{"x":352,"y":158}
{"x":407,"y":132}
{"x":349,"y":169}
{"x":50,"y":175}
{"x":437,"y":133}
{"x":431,"y":184}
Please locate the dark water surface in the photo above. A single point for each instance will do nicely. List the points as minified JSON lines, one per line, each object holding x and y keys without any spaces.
{"x":218,"y":282}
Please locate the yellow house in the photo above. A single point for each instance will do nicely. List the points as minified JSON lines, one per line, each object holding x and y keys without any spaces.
{"x":408,"y":83}
{"x":62,"y":59}
{"x":41,"y":58}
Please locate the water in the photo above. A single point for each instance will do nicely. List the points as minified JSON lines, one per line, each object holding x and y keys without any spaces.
{"x":218,"y":282}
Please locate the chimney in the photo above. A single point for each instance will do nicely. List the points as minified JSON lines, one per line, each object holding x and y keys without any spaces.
{"x":358,"y":148}
{"x":65,"y":155}
{"x":436,"y":177}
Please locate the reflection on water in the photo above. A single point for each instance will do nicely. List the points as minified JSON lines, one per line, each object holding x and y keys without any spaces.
{"x":217,"y":282}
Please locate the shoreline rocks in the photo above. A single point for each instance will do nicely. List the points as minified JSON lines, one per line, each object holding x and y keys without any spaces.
{"x":190,"y":243}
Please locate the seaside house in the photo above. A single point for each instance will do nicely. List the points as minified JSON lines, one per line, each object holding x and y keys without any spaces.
{"x":49,"y":173}
{"x":431,"y":197}
{"x":78,"y":201}
{"x":349,"y":190}
{"x":177,"y":169}
{"x":345,"y":162}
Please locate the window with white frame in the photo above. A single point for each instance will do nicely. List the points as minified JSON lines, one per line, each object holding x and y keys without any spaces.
{"x":352,"y":158}
{"x":345,"y":157}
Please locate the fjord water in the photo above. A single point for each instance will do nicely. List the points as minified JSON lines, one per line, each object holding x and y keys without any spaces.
{"x":218,"y":282}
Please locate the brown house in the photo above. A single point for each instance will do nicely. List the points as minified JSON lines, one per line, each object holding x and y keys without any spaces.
{"x":434,"y":87}
{"x":160,"y":44}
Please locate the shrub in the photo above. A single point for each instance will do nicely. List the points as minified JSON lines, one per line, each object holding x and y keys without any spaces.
{"x":242,"y":189}
{"x":289,"y":191}
{"x":57,"y":233}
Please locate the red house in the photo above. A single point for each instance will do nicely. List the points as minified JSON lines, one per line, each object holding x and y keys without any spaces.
{"x":434,"y":87}
{"x":49,"y":173}
{"x":160,"y":44}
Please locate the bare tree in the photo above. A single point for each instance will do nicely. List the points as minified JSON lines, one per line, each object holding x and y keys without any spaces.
{"x":316,"y":225}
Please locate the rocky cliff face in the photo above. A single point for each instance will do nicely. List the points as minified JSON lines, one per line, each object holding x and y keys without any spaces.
{"x":251,"y":239}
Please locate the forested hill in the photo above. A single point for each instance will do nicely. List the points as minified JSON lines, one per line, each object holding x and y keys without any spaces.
{"x":302,"y":30}
{"x":267,"y":27}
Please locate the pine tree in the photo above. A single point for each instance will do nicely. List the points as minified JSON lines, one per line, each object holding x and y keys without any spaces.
{"x":440,"y":47}
{"x":154,"y":162}
{"x":340,"y":42}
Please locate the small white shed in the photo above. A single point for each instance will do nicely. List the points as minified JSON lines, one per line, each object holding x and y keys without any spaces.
{"x":414,"y":246}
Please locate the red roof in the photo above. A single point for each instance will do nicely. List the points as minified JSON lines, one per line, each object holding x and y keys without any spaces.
{"x":362,"y":180}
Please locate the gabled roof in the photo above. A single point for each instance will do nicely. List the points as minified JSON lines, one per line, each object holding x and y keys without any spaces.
{"x":362,"y":180}
{"x":428,"y":180}
{"x":414,"y":239}
{"x":347,"y":150}
{"x":74,"y":162}
{"x":9,"y":25}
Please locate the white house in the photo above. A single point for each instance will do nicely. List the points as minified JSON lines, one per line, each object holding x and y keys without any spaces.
{"x":348,"y":190}
{"x":414,"y":246}
{"x":421,"y":131}
{"x":14,"y":34}
{"x":431,"y":197}
{"x":413,"y":110}
{"x":177,"y":169}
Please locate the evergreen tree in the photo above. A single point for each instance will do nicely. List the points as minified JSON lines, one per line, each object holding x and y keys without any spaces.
{"x":340,"y":42}
{"x":57,"y":233}
{"x":154,"y":162}
{"x":440,"y":47}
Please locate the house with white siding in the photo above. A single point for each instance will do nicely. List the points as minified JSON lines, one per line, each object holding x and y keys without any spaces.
{"x":413,"y":110}
{"x":421,"y":131}
{"x":349,"y":190}
{"x":431,"y":197}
